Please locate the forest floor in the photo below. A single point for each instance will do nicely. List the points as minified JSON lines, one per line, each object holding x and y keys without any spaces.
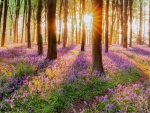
{"x":31,"y":84}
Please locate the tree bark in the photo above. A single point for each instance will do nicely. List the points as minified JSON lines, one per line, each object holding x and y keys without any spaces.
{"x":39,"y":30}
{"x":16,"y":22}
{"x":1,"y":10}
{"x":149,"y":23}
{"x":97,"y":36}
{"x":23,"y":21}
{"x":28,"y":25}
{"x":4,"y":23}
{"x":125,"y":23}
{"x":51,"y":23}
{"x":83,"y":27}
{"x":131,"y":5}
{"x":65,"y":24}
{"x":60,"y":11}
{"x":106,"y":28}
{"x":122,"y":32}
{"x":140,"y":29}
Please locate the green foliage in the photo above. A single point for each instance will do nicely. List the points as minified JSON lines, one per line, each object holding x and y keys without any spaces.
{"x":23,"y":69}
{"x":60,"y":99}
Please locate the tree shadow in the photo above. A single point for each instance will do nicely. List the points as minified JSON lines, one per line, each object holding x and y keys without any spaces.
{"x":118,"y":62}
{"x":139,"y":51}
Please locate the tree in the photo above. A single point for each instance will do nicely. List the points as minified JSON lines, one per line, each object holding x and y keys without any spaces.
{"x":16,"y":22}
{"x":28,"y":25}
{"x":131,"y":5}
{"x":97,"y":36}
{"x":65,"y":24}
{"x":4,"y":22}
{"x":106,"y":28}
{"x":149,"y":23}
{"x":23,"y":21}
{"x":51,"y":20}
{"x":140,"y":29}
{"x":1,"y":10}
{"x":39,"y":29}
{"x":121,"y":13}
{"x":60,"y":11}
{"x":83,"y":27}
{"x":125,"y":24}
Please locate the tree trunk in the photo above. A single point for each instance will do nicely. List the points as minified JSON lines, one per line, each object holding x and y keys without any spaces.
{"x":23,"y":22}
{"x":131,"y":5}
{"x":28,"y":25}
{"x":1,"y":10}
{"x":122,"y":32}
{"x":149,"y":23}
{"x":39,"y":30}
{"x":106,"y":28}
{"x":60,"y":10}
{"x":51,"y":23}
{"x":97,"y":36}
{"x":112,"y":25}
{"x":83,"y":27}
{"x":4,"y":23}
{"x":140,"y":29}
{"x":125,"y":23}
{"x":65,"y":24}
{"x":16,"y":22}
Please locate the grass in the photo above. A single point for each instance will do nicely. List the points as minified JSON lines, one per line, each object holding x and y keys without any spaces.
{"x":61,"y":99}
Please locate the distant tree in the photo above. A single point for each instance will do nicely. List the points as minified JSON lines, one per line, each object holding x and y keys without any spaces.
{"x":83,"y":27}
{"x":113,"y":20}
{"x":131,"y":7}
{"x":97,"y":36}
{"x":1,"y":10}
{"x":29,"y":25}
{"x":141,"y":22}
{"x":65,"y":23}
{"x":125,"y":24}
{"x":106,"y":28}
{"x":4,"y":22}
{"x":60,"y":12}
{"x":149,"y":23}
{"x":51,"y":23}
{"x":23,"y":21}
{"x":16,"y":21}
{"x":39,"y":29}
{"x":121,"y":13}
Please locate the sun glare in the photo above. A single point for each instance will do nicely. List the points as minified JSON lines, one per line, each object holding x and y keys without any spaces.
{"x":87,"y":18}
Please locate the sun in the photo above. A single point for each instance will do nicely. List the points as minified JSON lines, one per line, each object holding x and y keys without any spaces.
{"x":87,"y":18}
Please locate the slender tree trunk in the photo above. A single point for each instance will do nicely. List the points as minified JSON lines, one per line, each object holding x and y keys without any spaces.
{"x":125,"y":23}
{"x":23,"y":21}
{"x":106,"y":28}
{"x":72,"y":27}
{"x":83,"y":27}
{"x":65,"y":23}
{"x":39,"y":30}
{"x":45,"y":21}
{"x":1,"y":10}
{"x":131,"y":5}
{"x":140,"y":29}
{"x":61,"y":4}
{"x":16,"y":22}
{"x":4,"y":22}
{"x":122,"y":32}
{"x":97,"y":36}
{"x":51,"y":19}
{"x":80,"y":23}
{"x":28,"y":25}
{"x":112,"y":25}
{"x":76,"y":22}
{"x":149,"y":23}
